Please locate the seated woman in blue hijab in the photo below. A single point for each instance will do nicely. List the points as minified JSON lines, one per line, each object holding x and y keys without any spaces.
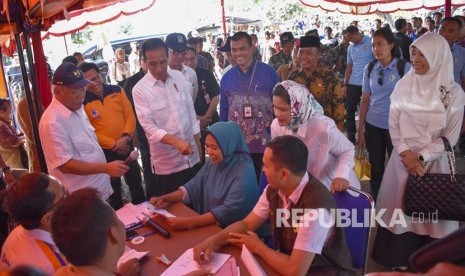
{"x":225,"y":190}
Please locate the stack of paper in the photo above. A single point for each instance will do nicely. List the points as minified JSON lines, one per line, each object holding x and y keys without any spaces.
{"x":129,"y":213}
{"x":131,"y":254}
{"x":186,"y":263}
{"x":251,"y":263}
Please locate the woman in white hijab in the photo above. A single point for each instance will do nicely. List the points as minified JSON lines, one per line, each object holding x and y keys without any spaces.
{"x":426,"y":104}
{"x":330,"y":153}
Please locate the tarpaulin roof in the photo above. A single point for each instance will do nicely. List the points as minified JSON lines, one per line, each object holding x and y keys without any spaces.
{"x":377,"y":6}
{"x":96,"y":15}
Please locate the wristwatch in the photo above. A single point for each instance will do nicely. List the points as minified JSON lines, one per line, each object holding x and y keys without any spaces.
{"x":420,"y":157}
{"x":128,"y":137}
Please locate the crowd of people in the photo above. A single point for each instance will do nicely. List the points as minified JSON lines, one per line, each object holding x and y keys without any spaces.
{"x":210,"y":126}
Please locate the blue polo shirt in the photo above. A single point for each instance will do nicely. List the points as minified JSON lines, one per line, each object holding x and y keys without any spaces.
{"x":359,"y":55}
{"x":458,"y":55}
{"x":249,"y":92}
{"x":378,"y":109}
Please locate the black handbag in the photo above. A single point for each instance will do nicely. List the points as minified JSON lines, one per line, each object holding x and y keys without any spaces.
{"x":436,"y":196}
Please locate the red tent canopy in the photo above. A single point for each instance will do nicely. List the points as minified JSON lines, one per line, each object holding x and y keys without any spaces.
{"x":379,"y":6}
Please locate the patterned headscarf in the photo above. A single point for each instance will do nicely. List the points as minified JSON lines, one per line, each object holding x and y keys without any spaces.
{"x":303,"y":104}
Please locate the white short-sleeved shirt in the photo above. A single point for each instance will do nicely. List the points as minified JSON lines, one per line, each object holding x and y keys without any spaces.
{"x":310,"y":238}
{"x":21,"y":248}
{"x":167,"y":108}
{"x":67,"y":135}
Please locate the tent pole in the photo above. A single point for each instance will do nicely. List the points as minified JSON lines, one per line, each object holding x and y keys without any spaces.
{"x":35,"y":128}
{"x":223,"y":18}
{"x":447,"y":8}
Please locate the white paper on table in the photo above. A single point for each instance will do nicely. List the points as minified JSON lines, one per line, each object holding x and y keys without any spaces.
{"x":130,"y":253}
{"x":129,"y":213}
{"x":251,"y":263}
{"x":186,"y":263}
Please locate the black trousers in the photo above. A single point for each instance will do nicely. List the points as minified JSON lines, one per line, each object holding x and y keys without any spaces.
{"x":354,"y":92}
{"x":133,"y":180}
{"x":378,"y":142}
{"x":257,"y":159}
{"x":171,"y":182}
{"x":150,"y":179}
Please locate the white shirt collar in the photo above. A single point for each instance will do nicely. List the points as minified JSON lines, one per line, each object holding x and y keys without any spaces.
{"x":295,"y":196}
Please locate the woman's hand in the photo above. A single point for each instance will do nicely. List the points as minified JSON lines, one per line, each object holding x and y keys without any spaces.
{"x":339,"y":185}
{"x":417,"y":171}
{"x":361,"y":139}
{"x":159,"y":202}
{"x":409,"y":159}
{"x":180,"y":223}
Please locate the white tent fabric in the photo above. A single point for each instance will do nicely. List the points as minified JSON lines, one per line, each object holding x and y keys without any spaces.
{"x":374,"y":6}
{"x":96,"y":16}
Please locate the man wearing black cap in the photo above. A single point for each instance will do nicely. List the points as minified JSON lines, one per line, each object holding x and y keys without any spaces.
{"x":320,"y":81}
{"x":284,"y":56}
{"x":202,"y":61}
{"x":177,"y":50}
{"x":72,"y":152}
{"x":226,"y":52}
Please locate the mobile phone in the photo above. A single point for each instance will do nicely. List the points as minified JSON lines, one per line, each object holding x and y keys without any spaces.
{"x":131,"y":234}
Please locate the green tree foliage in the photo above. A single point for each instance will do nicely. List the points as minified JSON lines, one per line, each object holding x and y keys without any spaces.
{"x":83,"y":36}
{"x":126,"y":29}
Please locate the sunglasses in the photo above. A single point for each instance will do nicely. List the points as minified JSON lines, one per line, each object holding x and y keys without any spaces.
{"x":380,"y":77}
{"x":179,"y":52}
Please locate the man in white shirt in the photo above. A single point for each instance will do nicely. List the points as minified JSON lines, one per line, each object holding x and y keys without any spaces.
{"x":166,"y":112}
{"x":71,"y":150}
{"x":305,"y":244}
{"x":177,"y":50}
{"x":31,"y":203}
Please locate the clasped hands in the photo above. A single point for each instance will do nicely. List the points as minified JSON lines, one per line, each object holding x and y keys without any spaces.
{"x":412,"y":163}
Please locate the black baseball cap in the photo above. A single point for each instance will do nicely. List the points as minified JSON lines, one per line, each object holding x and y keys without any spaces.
{"x":69,"y":75}
{"x":176,"y":41}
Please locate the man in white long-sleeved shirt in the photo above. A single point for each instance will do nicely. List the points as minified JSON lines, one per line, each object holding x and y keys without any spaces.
{"x":166,"y":113}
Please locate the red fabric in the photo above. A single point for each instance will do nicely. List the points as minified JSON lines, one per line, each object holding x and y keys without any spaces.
{"x":45,"y":92}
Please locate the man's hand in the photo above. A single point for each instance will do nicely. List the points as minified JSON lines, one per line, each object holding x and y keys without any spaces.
{"x":116,"y":168}
{"x":203,"y":250}
{"x":204,"y":121}
{"x":159,"y":202}
{"x":121,"y":146}
{"x":183,"y":147}
{"x":130,"y":268}
{"x":180,"y":223}
{"x":251,"y":240}
{"x":339,"y":185}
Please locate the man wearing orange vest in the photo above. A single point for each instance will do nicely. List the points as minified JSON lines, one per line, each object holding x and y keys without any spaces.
{"x":31,"y":203}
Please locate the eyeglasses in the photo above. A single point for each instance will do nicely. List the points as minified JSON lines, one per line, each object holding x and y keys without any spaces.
{"x":380,"y":77}
{"x":65,"y":195}
{"x":178,"y":52}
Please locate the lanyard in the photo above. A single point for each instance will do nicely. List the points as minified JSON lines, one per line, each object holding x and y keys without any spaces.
{"x":251,"y":80}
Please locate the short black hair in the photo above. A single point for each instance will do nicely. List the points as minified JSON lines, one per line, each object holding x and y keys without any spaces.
{"x":452,"y":19}
{"x":75,"y":54}
{"x":379,"y":20}
{"x":81,"y":235}
{"x":28,"y":199}
{"x":71,"y":59}
{"x":190,"y":48}
{"x":153,"y":44}
{"x":86,"y":66}
{"x":289,"y":152}
{"x":241,"y":35}
{"x":400,"y":23}
{"x":352,"y":30}
{"x":4,"y":103}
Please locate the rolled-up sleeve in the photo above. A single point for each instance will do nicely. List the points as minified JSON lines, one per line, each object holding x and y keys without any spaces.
{"x":344,"y":151}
